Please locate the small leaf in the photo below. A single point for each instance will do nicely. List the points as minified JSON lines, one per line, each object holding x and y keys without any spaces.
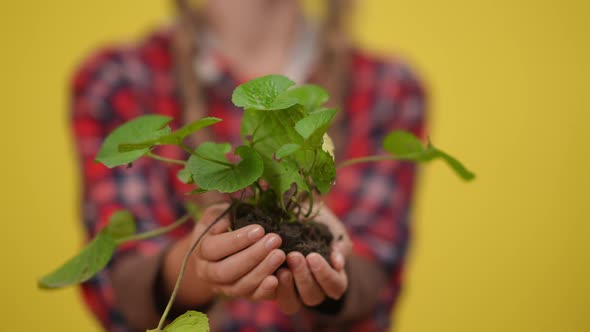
{"x":190,"y":321}
{"x":262,"y":93}
{"x":283,"y":175}
{"x":268,"y":132}
{"x":121,"y":224}
{"x":328,"y":145}
{"x":193,"y":127}
{"x":185,"y":176}
{"x":315,"y":124}
{"x":212,"y":171}
{"x":287,"y":150}
{"x":143,"y":128}
{"x":324,"y":172}
{"x":85,"y":265}
{"x":401,"y":143}
{"x":405,"y":146}
{"x":174,"y":138}
{"x":197,"y":191}
{"x":310,"y":96}
{"x":193,"y":210}
{"x":456,"y":165}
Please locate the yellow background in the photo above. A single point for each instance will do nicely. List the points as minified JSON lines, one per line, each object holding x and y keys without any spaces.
{"x":509,"y":95}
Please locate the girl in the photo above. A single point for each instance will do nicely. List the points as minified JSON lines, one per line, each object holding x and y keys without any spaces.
{"x":188,"y":71}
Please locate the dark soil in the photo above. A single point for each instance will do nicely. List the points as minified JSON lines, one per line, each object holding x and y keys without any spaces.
{"x":304,"y":237}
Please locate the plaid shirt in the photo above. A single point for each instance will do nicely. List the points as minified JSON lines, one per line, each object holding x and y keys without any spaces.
{"x":372,"y":200}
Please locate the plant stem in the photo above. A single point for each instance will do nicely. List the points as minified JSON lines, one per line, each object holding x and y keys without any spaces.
{"x":367,"y":159}
{"x":184,"y":263}
{"x":310,"y":205}
{"x":155,"y":232}
{"x":194,"y":153}
{"x":166,"y":160}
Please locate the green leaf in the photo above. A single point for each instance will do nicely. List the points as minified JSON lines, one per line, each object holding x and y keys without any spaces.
{"x":405,"y":146}
{"x":402,"y":143}
{"x":193,"y":127}
{"x":287,"y":150}
{"x":185,"y":176}
{"x":314,"y":126}
{"x":86,"y":264}
{"x":212,"y":171}
{"x":456,"y":165}
{"x":143,"y":128}
{"x":262,"y":93}
{"x":174,"y":138}
{"x":310,"y":96}
{"x":268,"y":132}
{"x":323,"y":172}
{"x":190,"y":321}
{"x":197,"y":191}
{"x":121,"y":224}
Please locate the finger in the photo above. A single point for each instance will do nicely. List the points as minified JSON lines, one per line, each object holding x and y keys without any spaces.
{"x":249,"y":282}
{"x":266,"y":290}
{"x":286,"y":296}
{"x":212,"y":212}
{"x":310,"y":292}
{"x":332,"y":282}
{"x":217,"y":247}
{"x":337,"y":260}
{"x":231,"y":268}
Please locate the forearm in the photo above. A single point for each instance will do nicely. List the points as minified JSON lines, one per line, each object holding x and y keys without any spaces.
{"x":193,"y":293}
{"x":133,"y":277}
{"x":139,"y":281}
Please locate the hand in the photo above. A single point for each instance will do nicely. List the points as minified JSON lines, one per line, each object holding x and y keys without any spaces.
{"x":239,"y":263}
{"x":314,"y":278}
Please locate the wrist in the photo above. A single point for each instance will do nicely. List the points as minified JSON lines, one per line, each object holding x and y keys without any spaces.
{"x":193,"y":292}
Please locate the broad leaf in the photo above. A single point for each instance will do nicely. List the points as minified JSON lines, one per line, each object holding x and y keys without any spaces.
{"x":310,"y":96}
{"x":314,"y":126}
{"x":174,"y":138}
{"x":190,"y":321}
{"x":405,"y":146}
{"x":121,"y":224}
{"x":262,"y":93}
{"x":287,"y":150}
{"x":86,"y":264}
{"x":324,"y":172}
{"x":143,"y":128}
{"x":212,"y":171}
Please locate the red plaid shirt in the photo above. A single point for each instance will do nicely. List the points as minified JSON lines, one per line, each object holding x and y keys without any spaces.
{"x":372,"y":200}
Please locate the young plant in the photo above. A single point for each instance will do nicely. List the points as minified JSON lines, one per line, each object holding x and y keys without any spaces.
{"x":284,"y":162}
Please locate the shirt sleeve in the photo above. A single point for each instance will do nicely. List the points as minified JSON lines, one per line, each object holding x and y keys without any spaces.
{"x":374,"y":199}
{"x":105,"y":94}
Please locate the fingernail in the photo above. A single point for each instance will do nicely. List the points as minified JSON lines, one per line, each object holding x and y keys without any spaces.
{"x":256,"y":233}
{"x":272,"y":242}
{"x":294,"y":261}
{"x":314,"y":262}
{"x":338,"y":260}
{"x":276,"y":258}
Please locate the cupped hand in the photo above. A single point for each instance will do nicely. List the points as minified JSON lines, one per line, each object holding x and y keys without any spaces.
{"x":239,"y":263}
{"x":310,"y":280}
